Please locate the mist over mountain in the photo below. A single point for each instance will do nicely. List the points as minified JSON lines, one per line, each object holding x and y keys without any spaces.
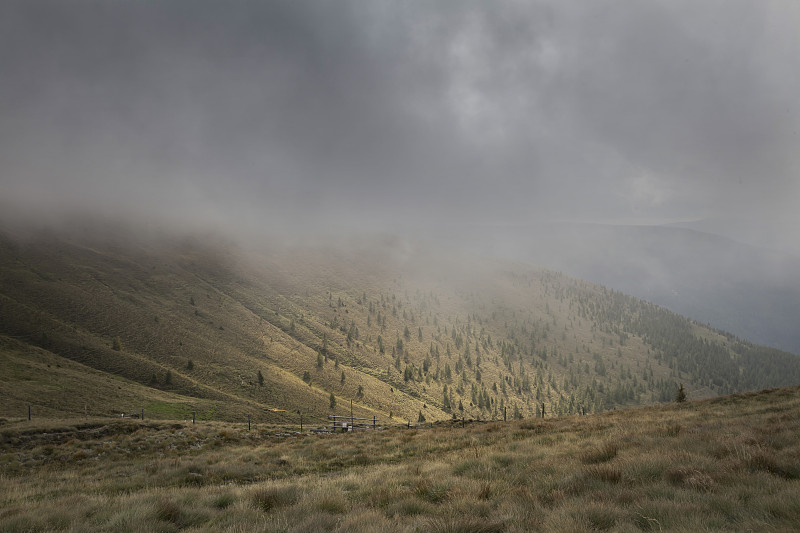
{"x":753,"y":292}
{"x":113,"y":320}
{"x":314,"y":121}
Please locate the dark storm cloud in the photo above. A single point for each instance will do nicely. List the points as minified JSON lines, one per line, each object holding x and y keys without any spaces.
{"x":374,"y":113}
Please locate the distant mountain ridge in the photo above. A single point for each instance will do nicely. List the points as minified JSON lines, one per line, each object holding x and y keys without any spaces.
{"x":752,"y":292}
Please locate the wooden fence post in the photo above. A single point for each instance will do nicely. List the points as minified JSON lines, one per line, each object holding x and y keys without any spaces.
{"x":29,"y":412}
{"x":193,"y":414}
{"x":504,"y":414}
{"x":142,"y":413}
{"x":373,"y":421}
{"x":248,"y":422}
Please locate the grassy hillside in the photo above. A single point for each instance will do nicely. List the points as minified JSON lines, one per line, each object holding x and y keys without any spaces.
{"x":724,"y":464}
{"x":103,"y":325}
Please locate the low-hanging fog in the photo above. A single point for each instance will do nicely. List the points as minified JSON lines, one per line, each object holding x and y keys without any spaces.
{"x":557,"y":132}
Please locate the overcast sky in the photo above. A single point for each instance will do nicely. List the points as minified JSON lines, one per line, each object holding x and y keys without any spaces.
{"x":380,"y":114}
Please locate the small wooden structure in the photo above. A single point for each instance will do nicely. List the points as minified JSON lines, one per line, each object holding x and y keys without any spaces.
{"x":344,"y":424}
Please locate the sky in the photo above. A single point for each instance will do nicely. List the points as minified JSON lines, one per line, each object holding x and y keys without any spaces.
{"x":338,"y":115}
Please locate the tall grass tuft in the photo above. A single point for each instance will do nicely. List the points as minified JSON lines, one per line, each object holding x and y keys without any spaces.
{"x":605,"y":473}
{"x":767,"y":462}
{"x":601,"y":454}
{"x":169,"y":511}
{"x":464,"y":524}
{"x":690,"y":478}
{"x":270,"y":498}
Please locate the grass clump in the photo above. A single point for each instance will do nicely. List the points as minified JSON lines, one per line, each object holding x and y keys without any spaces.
{"x":332,"y":505}
{"x":224,"y":500}
{"x":601,"y":454}
{"x":604,"y":473}
{"x":409,"y":506}
{"x":767,"y":462}
{"x":599,"y":517}
{"x":432,"y":492}
{"x":270,"y":498}
{"x":690,"y":478}
{"x":671,"y":429}
{"x":464,"y":524}
{"x":169,"y":511}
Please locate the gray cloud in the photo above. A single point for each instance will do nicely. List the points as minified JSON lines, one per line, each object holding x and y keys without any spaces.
{"x":365,"y":113}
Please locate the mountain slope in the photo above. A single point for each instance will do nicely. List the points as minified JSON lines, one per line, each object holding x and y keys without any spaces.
{"x":750,"y":291}
{"x":404,"y":330}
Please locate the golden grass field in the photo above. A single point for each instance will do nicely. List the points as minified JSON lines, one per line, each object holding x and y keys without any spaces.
{"x":725,"y":464}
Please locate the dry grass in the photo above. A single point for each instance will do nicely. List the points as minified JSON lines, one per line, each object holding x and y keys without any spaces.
{"x":601,"y":454}
{"x":731,"y":467}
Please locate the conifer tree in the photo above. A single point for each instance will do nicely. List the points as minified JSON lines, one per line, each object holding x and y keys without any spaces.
{"x":680,"y":396}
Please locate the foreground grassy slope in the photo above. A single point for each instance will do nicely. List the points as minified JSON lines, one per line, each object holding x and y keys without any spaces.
{"x":725,"y":464}
{"x":111,"y":323}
